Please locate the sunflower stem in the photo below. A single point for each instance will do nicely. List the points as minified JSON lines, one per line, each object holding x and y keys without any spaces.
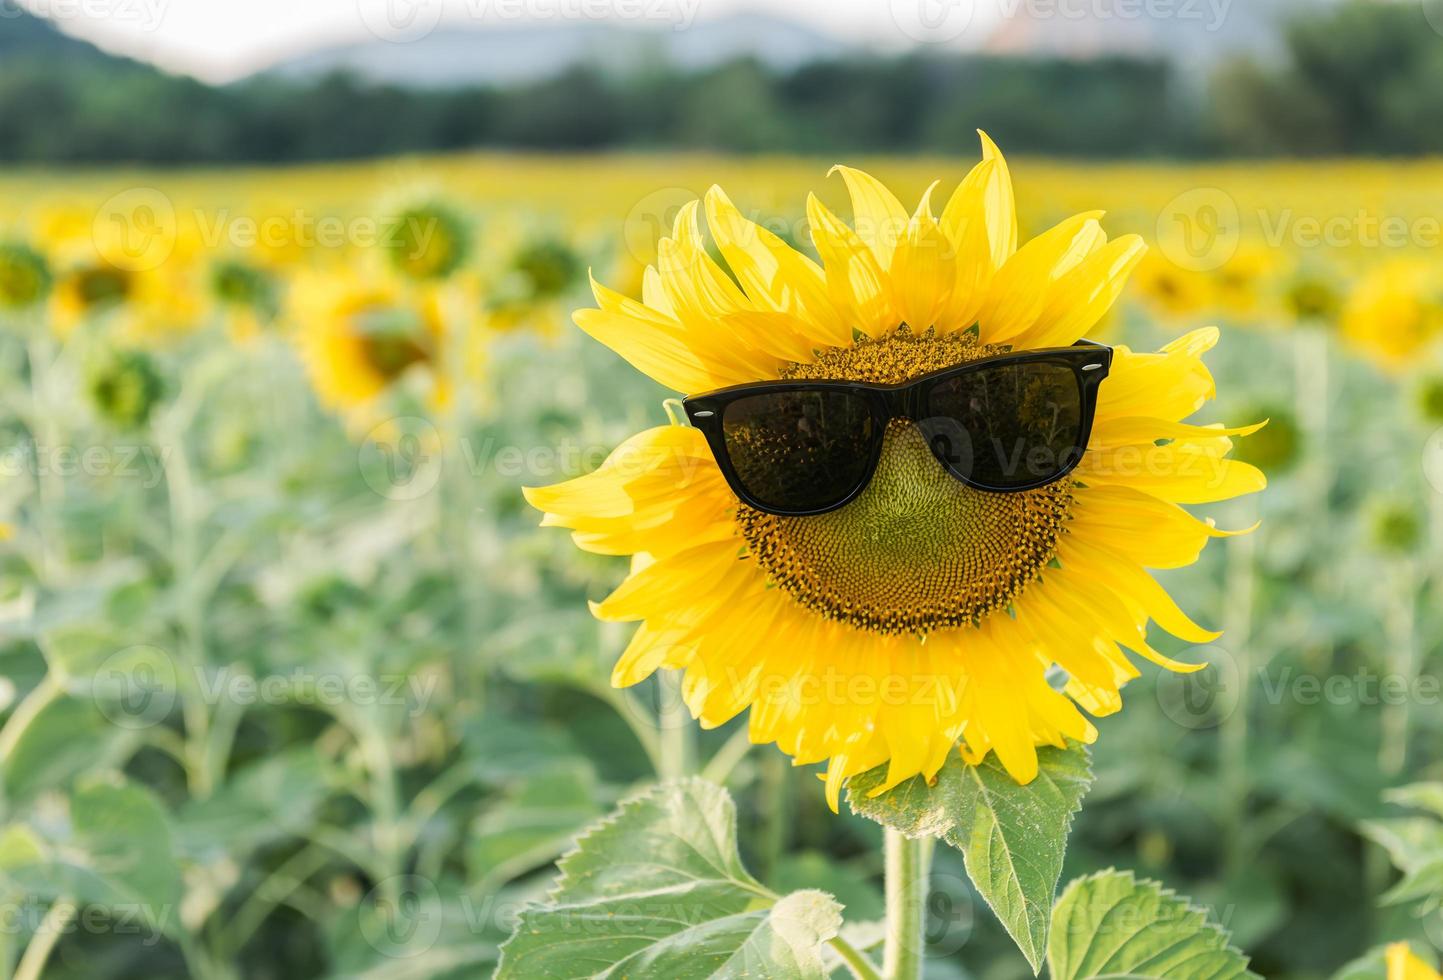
{"x":908,"y":866}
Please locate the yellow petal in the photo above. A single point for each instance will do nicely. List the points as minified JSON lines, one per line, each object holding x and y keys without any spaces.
{"x":877,"y":216}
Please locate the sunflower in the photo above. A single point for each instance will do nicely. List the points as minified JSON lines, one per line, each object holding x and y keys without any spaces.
{"x":361,"y":336}
{"x":923,"y":616}
{"x":1403,"y":964}
{"x":1168,"y":290}
{"x":1394,"y":314}
{"x":24,"y":276}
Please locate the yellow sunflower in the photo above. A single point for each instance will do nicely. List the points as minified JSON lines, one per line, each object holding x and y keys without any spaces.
{"x":359,"y":336}
{"x":1404,"y":964}
{"x":1394,"y":314}
{"x":923,"y":613}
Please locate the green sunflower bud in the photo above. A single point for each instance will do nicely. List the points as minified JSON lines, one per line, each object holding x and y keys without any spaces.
{"x":1277,"y":446}
{"x":428,"y":241}
{"x":548,"y":268}
{"x":1430,"y":399}
{"x":1395,"y":527}
{"x":24,"y":277}
{"x":125,"y":387}
{"x":238,"y":284}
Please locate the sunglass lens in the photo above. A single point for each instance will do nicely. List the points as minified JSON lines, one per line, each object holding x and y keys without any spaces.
{"x":799,"y":451}
{"x":1007,"y":426}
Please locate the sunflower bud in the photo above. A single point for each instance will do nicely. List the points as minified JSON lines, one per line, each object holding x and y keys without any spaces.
{"x":1277,"y":446}
{"x":239,"y":285}
{"x":1395,"y":527}
{"x":1430,"y":399}
{"x":547,"y":268}
{"x":427,"y":241}
{"x":24,"y":277}
{"x":1312,"y":298}
{"x":125,"y":387}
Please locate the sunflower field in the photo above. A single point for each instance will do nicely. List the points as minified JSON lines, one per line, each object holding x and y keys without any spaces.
{"x":325,"y":533}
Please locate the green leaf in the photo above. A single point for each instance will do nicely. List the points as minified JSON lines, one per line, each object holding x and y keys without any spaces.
{"x":265,"y":800}
{"x":533,"y":822}
{"x":1113,"y":925}
{"x":1012,"y":837}
{"x":65,"y":738}
{"x":1422,"y":796}
{"x":1425,"y":881}
{"x":119,"y":855}
{"x":657,"y":889}
{"x":1411,"y":842}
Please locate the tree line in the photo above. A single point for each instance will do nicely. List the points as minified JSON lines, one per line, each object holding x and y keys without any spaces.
{"x":1358,"y":78}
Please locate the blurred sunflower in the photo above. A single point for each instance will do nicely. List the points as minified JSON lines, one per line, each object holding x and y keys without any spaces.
{"x":924,"y":611}
{"x":1243,"y":287}
{"x":1404,"y":964}
{"x":359,"y":336}
{"x":1168,"y":290}
{"x":427,"y":241}
{"x":248,"y":295}
{"x":148,"y":297}
{"x":1394,"y":313}
{"x":541,"y":272}
{"x":24,"y":276}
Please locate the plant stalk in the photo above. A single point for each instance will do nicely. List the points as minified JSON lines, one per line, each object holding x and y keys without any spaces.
{"x":908,"y":865}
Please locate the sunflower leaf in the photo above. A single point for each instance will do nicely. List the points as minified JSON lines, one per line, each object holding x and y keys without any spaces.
{"x":1012,"y":837}
{"x":658,"y":889}
{"x":1112,"y":925}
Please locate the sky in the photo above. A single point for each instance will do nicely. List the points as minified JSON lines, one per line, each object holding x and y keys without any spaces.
{"x":220,"y":40}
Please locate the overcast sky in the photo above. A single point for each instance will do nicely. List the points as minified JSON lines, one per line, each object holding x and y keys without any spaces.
{"x":224,"y":39}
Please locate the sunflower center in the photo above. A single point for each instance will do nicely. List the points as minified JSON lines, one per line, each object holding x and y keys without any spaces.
{"x":917,"y":550}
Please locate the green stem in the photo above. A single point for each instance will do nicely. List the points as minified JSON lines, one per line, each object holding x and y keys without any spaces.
{"x":1239,"y":586}
{"x":719,"y":768}
{"x":855,"y":959}
{"x":47,"y":934}
{"x":676,"y":727}
{"x":908,"y":864}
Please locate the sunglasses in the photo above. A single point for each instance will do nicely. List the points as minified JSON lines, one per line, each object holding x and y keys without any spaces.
{"x":1010,"y":422}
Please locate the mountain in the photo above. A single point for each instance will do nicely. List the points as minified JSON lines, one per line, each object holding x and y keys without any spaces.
{"x":1195,"y":35}
{"x":521,"y":53}
{"x":25,"y":36}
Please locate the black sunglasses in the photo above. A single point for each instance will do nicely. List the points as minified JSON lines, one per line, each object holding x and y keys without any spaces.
{"x":1005,"y":423}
